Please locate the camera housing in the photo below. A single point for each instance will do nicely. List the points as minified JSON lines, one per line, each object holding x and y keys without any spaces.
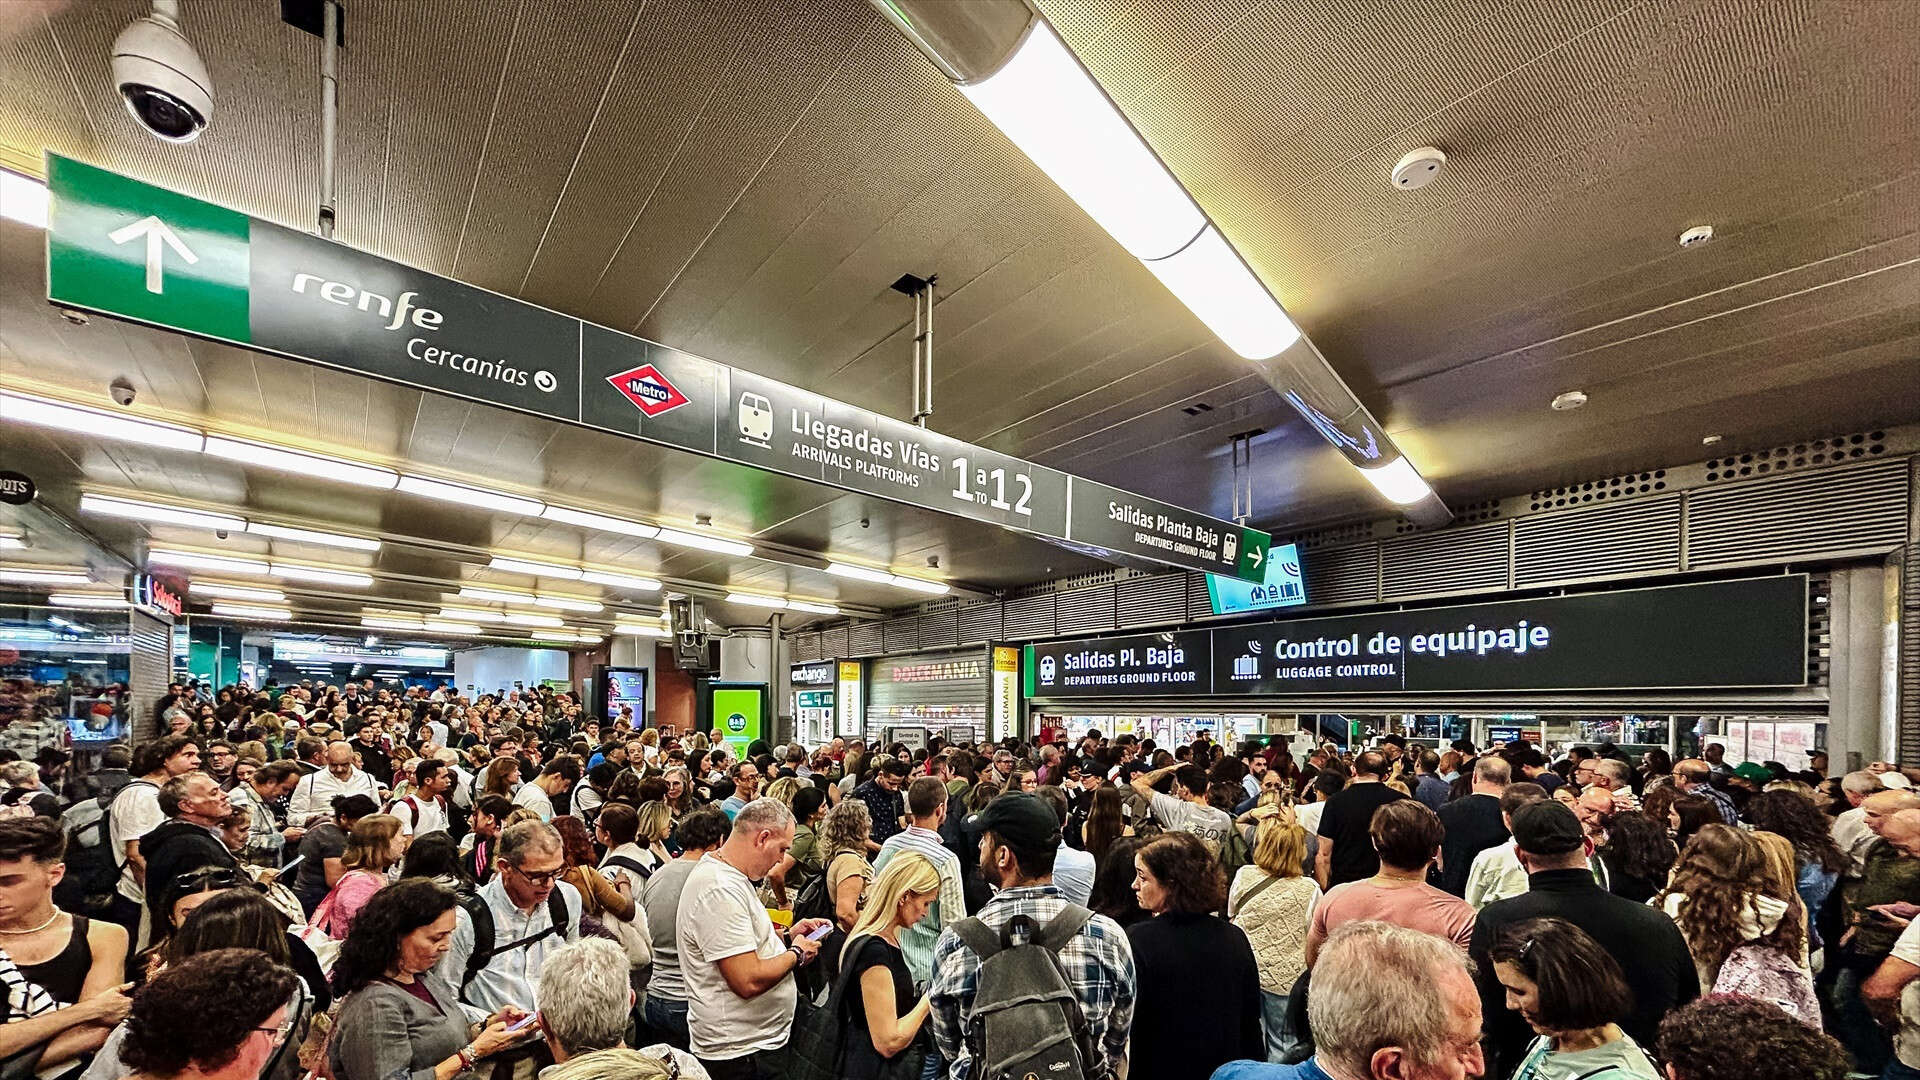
{"x":161,"y":77}
{"x":121,"y":391}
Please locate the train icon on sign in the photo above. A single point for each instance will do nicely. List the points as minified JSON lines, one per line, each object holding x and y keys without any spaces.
{"x":756,"y":420}
{"x":1046,"y":670}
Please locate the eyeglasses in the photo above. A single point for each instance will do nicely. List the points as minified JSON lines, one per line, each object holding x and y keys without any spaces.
{"x":538,"y":880}
{"x":280,"y":1033}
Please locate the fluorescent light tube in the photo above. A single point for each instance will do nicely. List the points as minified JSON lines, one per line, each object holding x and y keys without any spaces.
{"x":620,"y":581}
{"x":471,"y":496}
{"x":859,"y":573}
{"x":527,"y":618}
{"x":295,"y":572}
{"x":1398,"y":481}
{"x":86,"y":600}
{"x":69,"y":626}
{"x":248,"y":611}
{"x":237,"y":592}
{"x":472,"y":615}
{"x":12,"y":543}
{"x":567,"y":603}
{"x":99,"y":423}
{"x":310,"y":536}
{"x":812,"y":606}
{"x":30,"y":576}
{"x":196,"y":561}
{"x":588,"y":520}
{"x":644,"y":631}
{"x":703,"y":542}
{"x":936,"y":588}
{"x":391,"y":622}
{"x":440,"y":626}
{"x":113,"y":506}
{"x":755,"y":600}
{"x":23,"y":199}
{"x":301,"y":463}
{"x":476,"y":592}
{"x":536,"y":569}
{"x":1050,"y":108}
{"x":1211,"y":280}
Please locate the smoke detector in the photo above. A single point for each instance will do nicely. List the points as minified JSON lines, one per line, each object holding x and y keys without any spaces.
{"x":1418,"y":169}
{"x":1569,"y":401}
{"x":1696,"y":236}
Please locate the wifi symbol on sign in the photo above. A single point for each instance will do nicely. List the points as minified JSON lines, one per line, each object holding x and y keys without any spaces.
{"x":1254,"y":647}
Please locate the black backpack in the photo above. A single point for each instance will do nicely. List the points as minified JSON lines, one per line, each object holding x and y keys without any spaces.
{"x":1026,"y":1019}
{"x":484,"y":947}
{"x":93,"y":867}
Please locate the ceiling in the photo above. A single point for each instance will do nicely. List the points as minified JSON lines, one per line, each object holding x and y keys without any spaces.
{"x":745,"y":180}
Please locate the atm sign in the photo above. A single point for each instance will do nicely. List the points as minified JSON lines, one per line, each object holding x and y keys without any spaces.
{"x":649,"y":390}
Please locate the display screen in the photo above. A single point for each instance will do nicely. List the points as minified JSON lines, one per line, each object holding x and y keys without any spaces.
{"x":737,"y":712}
{"x":624,"y":687}
{"x":1748,"y":633}
{"x":1282,"y":587}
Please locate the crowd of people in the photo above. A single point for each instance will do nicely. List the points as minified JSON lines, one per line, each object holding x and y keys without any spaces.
{"x":362,"y":883}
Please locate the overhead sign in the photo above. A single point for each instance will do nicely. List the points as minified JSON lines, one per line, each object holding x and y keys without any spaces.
{"x":820,"y":673}
{"x":135,"y":251}
{"x":1749,"y":633}
{"x":290,"y":649}
{"x":849,"y":700}
{"x":158,"y":597}
{"x":1282,"y":586}
{"x":16,"y":489}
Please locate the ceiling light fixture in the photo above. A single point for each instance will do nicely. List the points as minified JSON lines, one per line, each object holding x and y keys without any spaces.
{"x":441,"y":626}
{"x":501,"y":596}
{"x":756,"y":600}
{"x":470,"y":496}
{"x":114,"y":506}
{"x":23,"y":199}
{"x":813,"y":606}
{"x":533,"y":568}
{"x":69,"y":625}
{"x":472,"y":615}
{"x":1696,"y":236}
{"x":567,"y":603}
{"x":643,"y":630}
{"x":249,"y":611}
{"x":28,"y":575}
{"x":586,"y":519}
{"x":392,"y":622}
{"x":301,"y":463}
{"x":12,"y":542}
{"x":237,"y":592}
{"x":933,"y":588}
{"x":87,"y":600}
{"x":97,"y":423}
{"x":621,"y":581}
{"x":702,"y":542}
{"x":193,"y":560}
{"x":311,"y":536}
{"x":859,"y":573}
{"x":1569,"y":401}
{"x":322,"y":575}
{"x":1398,"y":481}
{"x":528,"y":618}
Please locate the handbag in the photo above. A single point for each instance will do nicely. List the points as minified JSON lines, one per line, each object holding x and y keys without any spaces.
{"x":814,"y":1048}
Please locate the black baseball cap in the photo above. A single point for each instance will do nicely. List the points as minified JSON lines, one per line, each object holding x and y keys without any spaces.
{"x":1547,"y":828}
{"x":1020,"y":820}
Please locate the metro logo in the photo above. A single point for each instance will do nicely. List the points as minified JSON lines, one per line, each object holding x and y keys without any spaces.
{"x":649,"y":390}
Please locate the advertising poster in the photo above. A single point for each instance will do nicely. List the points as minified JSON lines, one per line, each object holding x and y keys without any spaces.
{"x":849,"y":701}
{"x":625,"y":687}
{"x":738,"y":712}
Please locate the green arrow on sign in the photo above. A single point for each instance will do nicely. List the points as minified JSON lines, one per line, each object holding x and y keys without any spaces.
{"x":190,"y":274}
{"x":1253,"y":554}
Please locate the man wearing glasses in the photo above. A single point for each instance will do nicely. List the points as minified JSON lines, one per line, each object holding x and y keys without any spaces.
{"x":532,"y":913}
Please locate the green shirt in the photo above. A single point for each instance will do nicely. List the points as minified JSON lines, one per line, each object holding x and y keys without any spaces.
{"x":1889,"y":876}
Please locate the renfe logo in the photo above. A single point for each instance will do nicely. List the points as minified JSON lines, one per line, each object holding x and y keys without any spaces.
{"x":649,"y":390}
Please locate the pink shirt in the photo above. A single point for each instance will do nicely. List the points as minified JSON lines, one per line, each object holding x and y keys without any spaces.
{"x":1417,"y":907}
{"x":349,"y":895}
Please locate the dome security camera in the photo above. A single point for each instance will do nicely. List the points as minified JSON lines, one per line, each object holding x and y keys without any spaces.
{"x":161,"y":77}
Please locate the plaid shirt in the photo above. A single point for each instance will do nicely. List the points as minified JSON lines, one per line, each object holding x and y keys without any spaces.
{"x":1099,"y":965}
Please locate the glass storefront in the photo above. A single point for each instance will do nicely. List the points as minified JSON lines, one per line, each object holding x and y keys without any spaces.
{"x":63,"y":674}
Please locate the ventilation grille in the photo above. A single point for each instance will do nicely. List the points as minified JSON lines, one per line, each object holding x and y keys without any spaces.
{"x":1067,"y":584}
{"x":1150,"y":601}
{"x":149,"y":669}
{"x":1593,"y":491}
{"x":804,"y":647}
{"x":1861,"y":507}
{"x":901,"y":635}
{"x":940,"y":630}
{"x":1334,"y":536}
{"x":1455,"y":560}
{"x":866,"y":639}
{"x":981,"y":623}
{"x":1603,"y":541}
{"x":1348,"y":575}
{"x":1470,"y":514}
{"x":1803,"y":455}
{"x":1030,"y":617}
{"x":1085,"y":611}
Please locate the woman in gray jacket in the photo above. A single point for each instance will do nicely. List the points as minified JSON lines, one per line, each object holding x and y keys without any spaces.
{"x":398,"y":1021}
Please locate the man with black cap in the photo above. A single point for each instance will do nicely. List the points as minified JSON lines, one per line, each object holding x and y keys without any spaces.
{"x":1560,"y":884}
{"x":1019,"y":836}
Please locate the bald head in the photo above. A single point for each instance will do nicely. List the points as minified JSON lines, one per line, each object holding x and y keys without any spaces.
{"x":1881,"y":807}
{"x":1902,"y":830}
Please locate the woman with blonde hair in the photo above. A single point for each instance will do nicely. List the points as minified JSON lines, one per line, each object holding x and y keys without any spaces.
{"x":843,"y":837}
{"x":1720,"y":896}
{"x":886,"y":1018}
{"x":1272,"y":901}
{"x":372,"y":848}
{"x":782,"y":791}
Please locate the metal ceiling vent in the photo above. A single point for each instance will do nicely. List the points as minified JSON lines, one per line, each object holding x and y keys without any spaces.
{"x":1005,"y":57}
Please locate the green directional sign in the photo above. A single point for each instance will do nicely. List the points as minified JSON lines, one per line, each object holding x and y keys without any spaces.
{"x":118,"y":245}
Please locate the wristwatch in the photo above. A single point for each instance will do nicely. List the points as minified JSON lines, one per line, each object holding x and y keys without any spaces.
{"x":799,"y":956}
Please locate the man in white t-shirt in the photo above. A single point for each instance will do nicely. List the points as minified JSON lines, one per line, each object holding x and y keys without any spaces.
{"x":424,"y":810}
{"x":736,"y":964}
{"x":538,"y":794}
{"x":1187,"y":809}
{"x":134,"y":813}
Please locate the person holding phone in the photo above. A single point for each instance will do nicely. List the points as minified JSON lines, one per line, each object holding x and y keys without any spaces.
{"x":884,"y":1018}
{"x":397,"y":1017}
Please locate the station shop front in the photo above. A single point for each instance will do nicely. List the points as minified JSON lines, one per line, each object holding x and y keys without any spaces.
{"x":961,"y":695}
{"x":1745,"y":662}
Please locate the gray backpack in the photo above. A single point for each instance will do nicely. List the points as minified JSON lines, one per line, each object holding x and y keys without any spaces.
{"x":1026,"y":1019}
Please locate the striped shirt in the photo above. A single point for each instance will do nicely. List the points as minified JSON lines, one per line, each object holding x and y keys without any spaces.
{"x":917,"y":941}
